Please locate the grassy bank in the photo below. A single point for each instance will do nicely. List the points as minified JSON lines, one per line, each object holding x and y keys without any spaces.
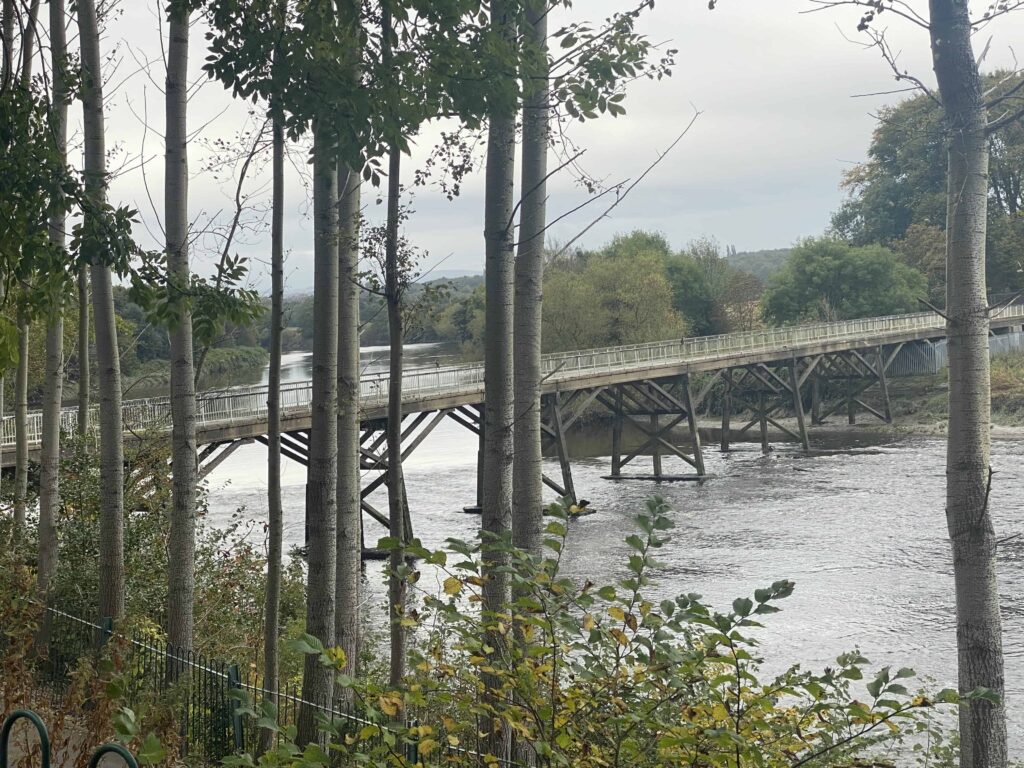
{"x":925,"y":399}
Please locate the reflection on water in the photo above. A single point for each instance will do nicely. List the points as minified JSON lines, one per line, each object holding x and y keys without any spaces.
{"x":859,"y":527}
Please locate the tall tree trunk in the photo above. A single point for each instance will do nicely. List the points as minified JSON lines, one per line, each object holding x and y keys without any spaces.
{"x":181,"y":540}
{"x":275,"y":513}
{"x":321,"y":483}
{"x":528,"y":488}
{"x":7,"y":24}
{"x":21,"y":429}
{"x":49,"y":462}
{"x":21,"y":377}
{"x":83,"y":352}
{"x":108,"y":364}
{"x":396,"y":478}
{"x":350,"y":540}
{"x":972,"y":536}
{"x":979,"y":635}
{"x":499,"y":282}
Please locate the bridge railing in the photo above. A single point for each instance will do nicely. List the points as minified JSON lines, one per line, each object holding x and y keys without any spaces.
{"x":249,"y":403}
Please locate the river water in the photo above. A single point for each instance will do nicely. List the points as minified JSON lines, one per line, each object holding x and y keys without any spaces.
{"x":858,"y":525}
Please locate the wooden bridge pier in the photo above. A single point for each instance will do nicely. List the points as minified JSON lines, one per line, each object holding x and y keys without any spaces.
{"x":841,"y":379}
{"x":654,"y":408}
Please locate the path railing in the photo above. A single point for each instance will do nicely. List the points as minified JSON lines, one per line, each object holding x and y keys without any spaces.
{"x":248,"y":404}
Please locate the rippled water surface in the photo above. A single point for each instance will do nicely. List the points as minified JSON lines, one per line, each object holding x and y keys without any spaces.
{"x":859,"y":526}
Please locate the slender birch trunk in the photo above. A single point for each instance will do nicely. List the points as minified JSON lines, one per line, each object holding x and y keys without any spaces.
{"x":21,"y":430}
{"x":350,"y":540}
{"x":53,"y":387}
{"x":498,"y":386}
{"x":396,"y":478}
{"x":275,"y":512}
{"x":49,"y":462}
{"x":8,"y":40}
{"x":21,"y":376}
{"x":528,"y":488}
{"x":321,"y":483}
{"x":349,"y":521}
{"x":108,"y":364}
{"x":181,"y":539}
{"x":83,"y":352}
{"x":973,"y":540}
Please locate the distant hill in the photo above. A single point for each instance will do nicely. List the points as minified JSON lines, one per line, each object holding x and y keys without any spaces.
{"x":760,"y":264}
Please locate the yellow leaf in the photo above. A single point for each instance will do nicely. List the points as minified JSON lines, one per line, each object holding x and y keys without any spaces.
{"x":453,"y":740}
{"x":619,"y":635}
{"x":427,"y":746}
{"x":617,"y":613}
{"x":588,"y":622}
{"x":452,"y":585}
{"x":390,"y":704}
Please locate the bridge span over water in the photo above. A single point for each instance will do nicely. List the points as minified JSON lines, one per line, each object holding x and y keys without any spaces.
{"x":651,"y":392}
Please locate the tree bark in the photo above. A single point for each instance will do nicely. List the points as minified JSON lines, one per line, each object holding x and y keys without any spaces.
{"x":21,"y":429}
{"x":275,"y":512}
{"x":181,"y":539}
{"x":21,"y":377}
{"x":498,"y":385}
{"x":321,"y":483}
{"x":111,"y":544}
{"x":350,"y":540}
{"x":972,"y":536}
{"x":8,"y":40}
{"x":83,"y":352}
{"x":396,"y":479}
{"x":49,"y":461}
{"x":528,"y":487}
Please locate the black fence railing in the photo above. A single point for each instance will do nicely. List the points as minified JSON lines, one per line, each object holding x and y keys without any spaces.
{"x":207,"y":694}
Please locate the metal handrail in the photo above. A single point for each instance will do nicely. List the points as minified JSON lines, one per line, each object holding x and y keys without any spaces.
{"x":248,"y":403}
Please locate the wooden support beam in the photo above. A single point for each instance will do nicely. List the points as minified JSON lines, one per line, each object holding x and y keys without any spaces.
{"x":578,"y":412}
{"x":798,"y":405}
{"x":298,"y":458}
{"x":727,"y":410}
{"x":816,"y":399}
{"x":424,"y":433}
{"x":207,"y":452}
{"x":884,"y":384}
{"x":561,"y":446}
{"x":373,"y":512}
{"x":617,"y":425}
{"x":206,"y":469}
{"x":553,"y":486}
{"x":656,"y":448}
{"x":691,"y":418}
{"x":811,"y":368}
{"x":851,"y":403}
{"x":762,"y":417}
{"x":459,"y":418}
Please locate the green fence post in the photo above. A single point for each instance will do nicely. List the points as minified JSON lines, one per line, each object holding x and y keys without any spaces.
{"x":412,"y":748}
{"x":5,"y":735}
{"x":235,"y":691}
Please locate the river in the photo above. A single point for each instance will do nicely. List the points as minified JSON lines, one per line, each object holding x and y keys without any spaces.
{"x":858,"y":525}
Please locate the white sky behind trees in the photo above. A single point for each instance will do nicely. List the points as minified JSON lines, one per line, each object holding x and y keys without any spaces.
{"x":760,"y":168}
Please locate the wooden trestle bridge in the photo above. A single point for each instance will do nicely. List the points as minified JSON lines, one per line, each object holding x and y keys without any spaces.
{"x":655,"y":389}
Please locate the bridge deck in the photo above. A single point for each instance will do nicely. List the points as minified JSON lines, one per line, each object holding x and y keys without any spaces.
{"x":241,"y":412}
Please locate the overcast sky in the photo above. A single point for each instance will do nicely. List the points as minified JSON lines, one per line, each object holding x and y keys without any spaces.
{"x":781,"y":118}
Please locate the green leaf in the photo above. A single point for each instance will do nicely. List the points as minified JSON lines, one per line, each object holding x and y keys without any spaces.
{"x":151,"y":751}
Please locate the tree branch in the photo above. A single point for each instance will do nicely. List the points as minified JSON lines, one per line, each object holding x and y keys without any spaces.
{"x":631,"y":187}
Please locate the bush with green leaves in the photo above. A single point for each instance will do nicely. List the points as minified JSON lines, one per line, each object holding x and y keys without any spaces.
{"x":594,"y":676}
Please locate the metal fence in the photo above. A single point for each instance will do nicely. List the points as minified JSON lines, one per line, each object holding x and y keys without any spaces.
{"x":208,"y":696}
{"x":247,"y":404}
